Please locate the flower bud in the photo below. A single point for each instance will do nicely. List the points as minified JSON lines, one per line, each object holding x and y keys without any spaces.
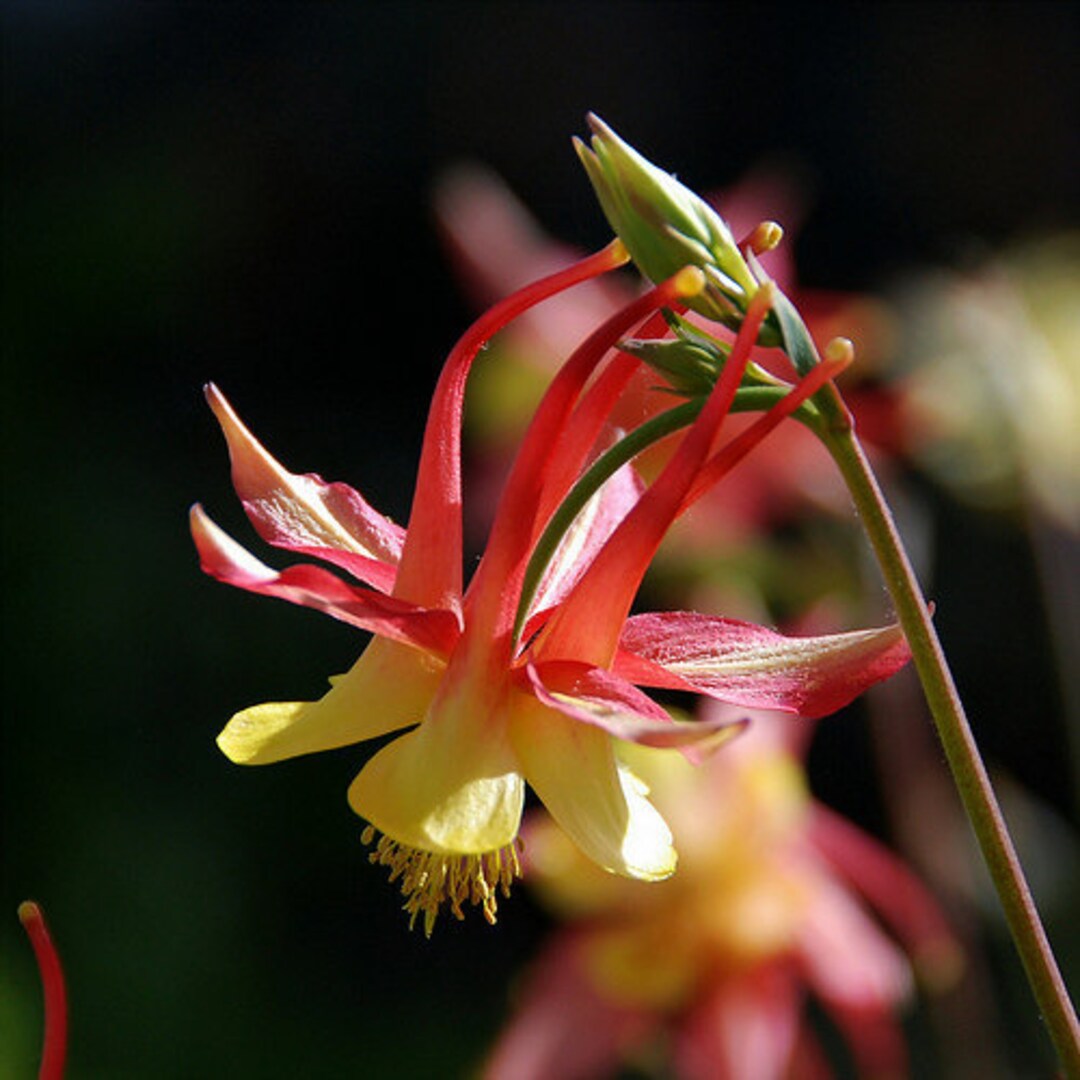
{"x":691,"y":360}
{"x":665,"y":225}
{"x":691,"y":367}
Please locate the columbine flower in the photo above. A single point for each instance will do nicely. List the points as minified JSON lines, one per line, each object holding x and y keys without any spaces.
{"x":490,"y":707}
{"x":771,"y":903}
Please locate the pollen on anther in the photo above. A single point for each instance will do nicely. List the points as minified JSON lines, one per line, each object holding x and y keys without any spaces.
{"x":429,"y":879}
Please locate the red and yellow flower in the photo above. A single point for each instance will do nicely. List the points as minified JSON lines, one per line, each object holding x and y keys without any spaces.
{"x":497,"y":691}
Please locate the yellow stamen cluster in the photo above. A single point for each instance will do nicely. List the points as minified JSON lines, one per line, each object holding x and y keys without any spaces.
{"x":428,"y":879}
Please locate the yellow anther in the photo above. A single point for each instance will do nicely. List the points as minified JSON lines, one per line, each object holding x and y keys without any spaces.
{"x":429,"y":879}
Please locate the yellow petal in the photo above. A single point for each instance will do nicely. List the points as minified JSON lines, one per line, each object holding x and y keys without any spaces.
{"x":600,"y":803}
{"x":389,"y":687}
{"x":451,"y":786}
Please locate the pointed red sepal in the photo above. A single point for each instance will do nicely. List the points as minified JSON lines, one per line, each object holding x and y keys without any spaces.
{"x":588,"y":623}
{"x":54,"y":1041}
{"x":723,"y":461}
{"x":304,"y":513}
{"x":755,"y":667}
{"x":430,"y":572}
{"x":223,"y":558}
{"x":495,"y":589}
{"x":590,"y":417}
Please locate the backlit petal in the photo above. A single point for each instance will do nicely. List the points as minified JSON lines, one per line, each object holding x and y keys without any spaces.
{"x":305,"y":513}
{"x":599,"y":803}
{"x":451,"y":786}
{"x":430,"y":567}
{"x":312,"y":586}
{"x":756,"y":667}
{"x":389,"y":687}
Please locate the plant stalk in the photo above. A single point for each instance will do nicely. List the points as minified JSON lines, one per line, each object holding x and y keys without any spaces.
{"x":961,"y":751}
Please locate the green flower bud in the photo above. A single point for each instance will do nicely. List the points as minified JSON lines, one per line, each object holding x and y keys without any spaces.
{"x":692,"y":360}
{"x":690,"y":368}
{"x":666,"y":226}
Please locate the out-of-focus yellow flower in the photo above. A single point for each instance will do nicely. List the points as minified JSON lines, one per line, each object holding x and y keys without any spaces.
{"x":720,"y":958}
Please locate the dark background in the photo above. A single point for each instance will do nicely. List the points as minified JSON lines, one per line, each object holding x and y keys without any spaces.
{"x":241,"y":193}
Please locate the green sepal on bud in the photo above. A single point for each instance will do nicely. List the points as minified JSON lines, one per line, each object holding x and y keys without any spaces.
{"x":692,"y":360}
{"x":665,"y":226}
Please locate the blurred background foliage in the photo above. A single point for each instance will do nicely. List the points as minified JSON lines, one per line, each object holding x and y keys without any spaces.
{"x":240,"y":192}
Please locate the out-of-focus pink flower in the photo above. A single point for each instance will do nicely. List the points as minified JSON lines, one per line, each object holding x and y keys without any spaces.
{"x":496,"y":244}
{"x":777,"y":900}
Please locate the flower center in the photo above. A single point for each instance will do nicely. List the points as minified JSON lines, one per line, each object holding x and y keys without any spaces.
{"x":429,"y":879}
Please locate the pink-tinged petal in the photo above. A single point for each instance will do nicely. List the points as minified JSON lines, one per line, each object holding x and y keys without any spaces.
{"x":598,"y":802}
{"x":845,"y":957}
{"x":859,"y":975}
{"x":388,"y":688}
{"x":431,"y":560}
{"x":899,"y":898}
{"x":564,"y":1027}
{"x":304,"y":513}
{"x":311,"y":586}
{"x":755,"y":667}
{"x":588,"y":533}
{"x":605,"y":701}
{"x":746,"y":1026}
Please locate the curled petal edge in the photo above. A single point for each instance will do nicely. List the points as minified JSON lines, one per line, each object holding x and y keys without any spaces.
{"x":605,"y":701}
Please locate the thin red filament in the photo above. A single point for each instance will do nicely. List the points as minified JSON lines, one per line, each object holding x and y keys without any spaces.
{"x":430,"y":568}
{"x":725,"y":460}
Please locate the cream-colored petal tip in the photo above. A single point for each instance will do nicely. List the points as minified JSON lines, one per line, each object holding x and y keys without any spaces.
{"x":246,"y":737}
{"x":649,"y":862}
{"x":647,"y":850}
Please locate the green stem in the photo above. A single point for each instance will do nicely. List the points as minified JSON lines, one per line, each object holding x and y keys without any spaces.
{"x":961,"y":751}
{"x":588,"y":484}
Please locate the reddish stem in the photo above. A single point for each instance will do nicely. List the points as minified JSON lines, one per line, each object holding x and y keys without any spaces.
{"x":54,"y":1043}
